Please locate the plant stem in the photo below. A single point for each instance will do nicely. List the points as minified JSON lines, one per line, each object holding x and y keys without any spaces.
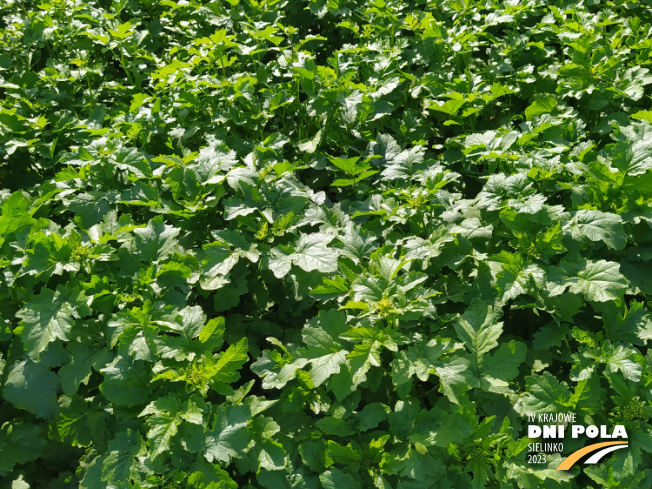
{"x":124,"y":67}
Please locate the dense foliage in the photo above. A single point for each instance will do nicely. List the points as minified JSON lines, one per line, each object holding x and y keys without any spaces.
{"x":322,"y":243}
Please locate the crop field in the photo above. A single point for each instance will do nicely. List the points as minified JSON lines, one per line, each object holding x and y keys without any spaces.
{"x":325,"y":244}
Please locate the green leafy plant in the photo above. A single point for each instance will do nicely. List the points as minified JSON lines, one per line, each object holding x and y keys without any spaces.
{"x":195,"y":291}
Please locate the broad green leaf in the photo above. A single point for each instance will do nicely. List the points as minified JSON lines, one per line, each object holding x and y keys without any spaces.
{"x":542,"y":105}
{"x":221,"y":256}
{"x":481,"y":471}
{"x":52,"y":255}
{"x":636,"y":275}
{"x":424,"y":249}
{"x":20,"y":443}
{"x":617,"y":358}
{"x":330,"y":288}
{"x":450,"y":107}
{"x":229,"y":435}
{"x":310,"y":146}
{"x":213,"y":163}
{"x":218,"y":261}
{"x":85,"y":356}
{"x":276,"y":370}
{"x":33,"y":387}
{"x":271,"y":455}
{"x":599,"y":226}
{"x":456,"y":377}
{"x":529,"y":476}
{"x":280,"y":261}
{"x":588,"y":396}
{"x":336,"y":479}
{"x":371,"y":416}
{"x":634,"y":156}
{"x":645,"y":115}
{"x":336,"y":426}
{"x":599,"y":281}
{"x":185,"y":346}
{"x":325,"y":351}
{"x":49,"y":316}
{"x":312,"y":254}
{"x":502,"y":365}
{"x":479,"y":329}
{"x":356,"y":243}
{"x":118,"y":462}
{"x":439,"y":428}
{"x":126,"y":381}
{"x":516,"y":276}
{"x":81,"y":423}
{"x":544,"y":394}
{"x":14,"y":214}
{"x":419,"y":360}
{"x":210,"y":476}
{"x":213,"y":331}
{"x":405,"y":165}
{"x":361,"y":359}
{"x":422,"y":471}
{"x":155,"y":241}
{"x":163,"y":419}
{"x":225,"y":369}
{"x":347,"y":165}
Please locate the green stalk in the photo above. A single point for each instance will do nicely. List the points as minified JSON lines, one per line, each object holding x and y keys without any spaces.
{"x":124,"y":67}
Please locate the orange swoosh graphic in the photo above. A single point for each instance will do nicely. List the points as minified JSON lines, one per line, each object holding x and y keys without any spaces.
{"x":575,"y":456}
